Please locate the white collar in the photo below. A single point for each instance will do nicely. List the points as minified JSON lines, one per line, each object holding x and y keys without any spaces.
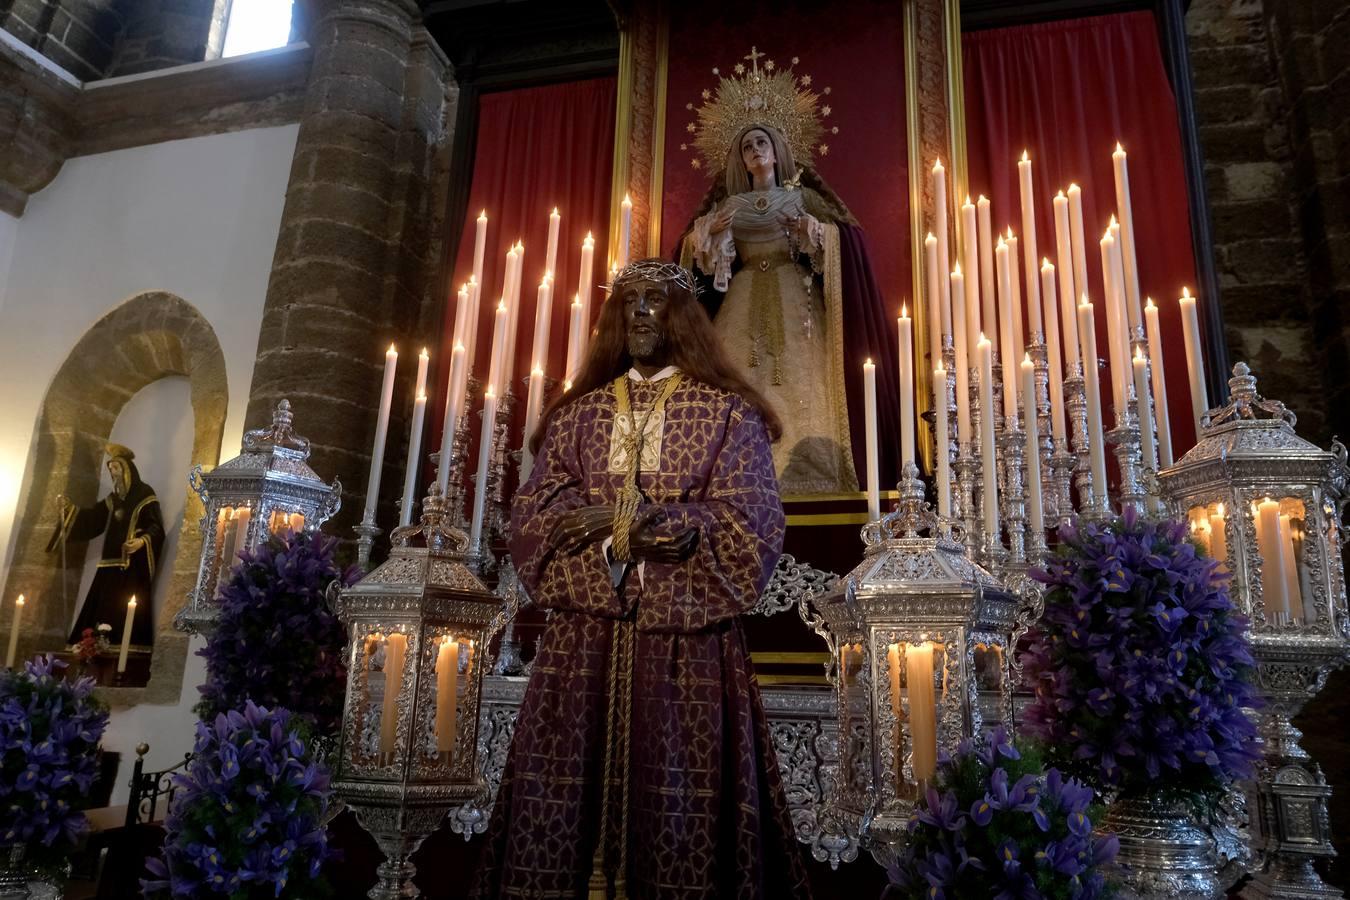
{"x":668,"y":371}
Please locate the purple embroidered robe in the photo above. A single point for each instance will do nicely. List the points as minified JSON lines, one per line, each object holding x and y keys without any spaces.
{"x":707,"y":815}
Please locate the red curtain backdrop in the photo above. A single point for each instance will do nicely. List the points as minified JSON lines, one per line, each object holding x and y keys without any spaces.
{"x":1066,"y":92}
{"x":855,"y":49}
{"x":538,"y":148}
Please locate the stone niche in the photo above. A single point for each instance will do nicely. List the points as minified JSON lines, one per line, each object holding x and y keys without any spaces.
{"x":151,"y":336}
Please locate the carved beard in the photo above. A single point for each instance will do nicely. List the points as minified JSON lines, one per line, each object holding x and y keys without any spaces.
{"x":643,"y":345}
{"x":121,"y":480}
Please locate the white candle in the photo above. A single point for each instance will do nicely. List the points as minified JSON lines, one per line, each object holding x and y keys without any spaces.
{"x":381,"y":433}
{"x":988,"y":290}
{"x":1054,"y":365}
{"x":1077,"y":240}
{"x":14,"y":633}
{"x":940,"y":228}
{"x":484,"y":461}
{"x":1146,"y":445}
{"x":479,"y":246}
{"x":1117,"y":354}
{"x":1292,"y":588}
{"x":585,"y":288}
{"x":461,"y":313}
{"x":1218,"y":535}
{"x":944,"y":470}
{"x":935,"y":329}
{"x":870,"y":432}
{"x":1029,"y":254}
{"x":905,"y":326}
{"x":395,"y":646}
{"x":543,"y":323}
{"x":1130,"y":264}
{"x":1067,"y":289}
{"x":1195,"y":364}
{"x":1087,"y":331}
{"x":242,"y":517}
{"x":534,"y":408}
{"x":1005,"y":321}
{"x":989,"y":470}
{"x":551,"y":257}
{"x":447,"y":701}
{"x":1035,"y":503}
{"x":963,"y":363}
{"x":454,"y":399}
{"x":471,"y":333}
{"x":576,"y":342}
{"x":126,"y":635}
{"x":1155,"y":354}
{"x":972,"y":271}
{"x":625,"y":230}
{"x":1015,"y":277}
{"x":922,"y":710}
{"x":512,"y":296}
{"x":423,"y":361}
{"x":414,"y":458}
{"x":498,"y":357}
{"x":1274,"y":581}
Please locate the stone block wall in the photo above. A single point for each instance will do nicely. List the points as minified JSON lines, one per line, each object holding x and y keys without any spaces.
{"x":163,"y":33}
{"x":80,"y":36}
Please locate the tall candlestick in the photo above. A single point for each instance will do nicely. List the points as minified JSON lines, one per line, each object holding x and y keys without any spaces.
{"x":1067,"y":289}
{"x":414,"y":459}
{"x":395,"y":648}
{"x":870,"y":432}
{"x":1116,"y":342}
{"x":1007,"y":345}
{"x":972,"y":271}
{"x":461,"y":313}
{"x":1015,"y":277}
{"x":934,"y":290}
{"x":922,"y":710}
{"x":543,"y":323}
{"x":1155,"y":354}
{"x":1035,"y":502}
{"x":1077,"y":241}
{"x":1274,"y":581}
{"x":576,"y":341}
{"x":905,"y":326}
{"x":126,"y":635}
{"x":963,"y":362}
{"x":1087,"y":332}
{"x":551,"y":256}
{"x":423,"y":361}
{"x":989,"y":469}
{"x":893,"y":670}
{"x":1029,"y":254}
{"x":484,"y":463}
{"x":944,"y":463}
{"x":1130,"y":264}
{"x":454,"y":400}
{"x":585,"y":289}
{"x":534,"y":408}
{"x":471,"y":332}
{"x":625,"y":230}
{"x":381,"y":433}
{"x":988,"y":290}
{"x":940,"y":228}
{"x":447,"y":700}
{"x":1052,"y":351}
{"x":498,"y":357}
{"x":512,"y":297}
{"x":1146,"y":445}
{"x":1195,"y":364}
{"x":479,"y":246}
{"x":14,"y":633}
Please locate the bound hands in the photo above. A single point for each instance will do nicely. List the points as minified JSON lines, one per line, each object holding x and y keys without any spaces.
{"x":592,"y":524}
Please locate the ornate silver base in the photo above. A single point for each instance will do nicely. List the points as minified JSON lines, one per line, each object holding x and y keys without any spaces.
{"x":1164,"y":854}
{"x":13,"y":873}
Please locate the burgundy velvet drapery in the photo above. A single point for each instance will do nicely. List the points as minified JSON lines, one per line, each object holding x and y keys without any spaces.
{"x":537,"y":148}
{"x":1066,"y":92}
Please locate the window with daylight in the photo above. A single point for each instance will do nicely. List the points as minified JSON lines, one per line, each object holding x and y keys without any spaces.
{"x":257,"y":25}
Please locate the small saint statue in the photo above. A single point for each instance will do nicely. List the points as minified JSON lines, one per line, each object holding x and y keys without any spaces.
{"x":132,"y":526}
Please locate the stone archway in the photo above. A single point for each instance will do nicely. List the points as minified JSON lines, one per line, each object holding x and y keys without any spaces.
{"x":150,"y":336}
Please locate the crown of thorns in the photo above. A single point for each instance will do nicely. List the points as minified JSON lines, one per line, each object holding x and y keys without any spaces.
{"x":656,"y":269}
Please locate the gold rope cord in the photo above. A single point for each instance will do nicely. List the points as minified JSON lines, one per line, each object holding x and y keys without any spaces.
{"x":625,"y":510}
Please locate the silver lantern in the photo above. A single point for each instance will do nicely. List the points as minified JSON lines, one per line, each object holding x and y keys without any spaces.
{"x":1267,"y":503}
{"x":915,"y":633}
{"x":267,"y":489}
{"x":416,"y":627}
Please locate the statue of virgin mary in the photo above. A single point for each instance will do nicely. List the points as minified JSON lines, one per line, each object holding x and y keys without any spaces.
{"x":787,"y":281}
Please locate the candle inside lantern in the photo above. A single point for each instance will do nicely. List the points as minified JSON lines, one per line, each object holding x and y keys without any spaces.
{"x":1218,"y":535}
{"x":242,"y":516}
{"x":297,"y":522}
{"x":870,"y":432}
{"x":1274,"y":580}
{"x":922,"y":709}
{"x":1291,"y":581}
{"x":447,"y":700}
{"x":14,"y":633}
{"x":395,"y":646}
{"x":126,"y":635}
{"x":905,"y":326}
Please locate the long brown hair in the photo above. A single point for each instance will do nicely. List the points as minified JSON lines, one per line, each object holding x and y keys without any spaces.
{"x":695,"y":349}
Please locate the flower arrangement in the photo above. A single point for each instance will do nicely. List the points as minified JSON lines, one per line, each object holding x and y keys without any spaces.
{"x":91,"y":644}
{"x":276,"y":641}
{"x":1140,"y":664}
{"x":246,"y":821}
{"x":49,"y":735}
{"x":997,"y":825}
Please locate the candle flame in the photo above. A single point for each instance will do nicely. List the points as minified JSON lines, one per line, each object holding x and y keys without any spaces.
{"x":473,"y":279}
{"x":983,"y":339}
{"x":459,"y":347}
{"x":1060,"y":195}
{"x":483,"y":215}
{"x":555,"y":210}
{"x":930,"y":238}
{"x":1119,"y":149}
{"x":1139,"y":353}
{"x":999,"y":244}
{"x":957,"y":270}
{"x":1148,"y":303}
{"x":983,"y":200}
{"x":132,"y":601}
{"x":937,"y":165}
{"x":1185,"y":293}
{"x":1011,"y":236}
{"x":567,"y":386}
{"x":868,"y":362}
{"x":1083,"y":299}
{"x":904,"y":310}
{"x":1025,"y":158}
{"x":391,"y":350}
{"x":1114,"y":223}
{"x":490,"y":393}
{"x":589,"y":239}
{"x":1026,"y":359}
{"x":501,"y":305}
{"x":968,"y":203}
{"x":537,"y":370}
{"x":1073,"y":186}
{"x":1219,"y":510}
{"x":19,"y":602}
{"x":424,"y":353}
{"x":421,"y":396}
{"x":626,"y":200}
{"x":940,"y":370}
{"x":1045,"y":263}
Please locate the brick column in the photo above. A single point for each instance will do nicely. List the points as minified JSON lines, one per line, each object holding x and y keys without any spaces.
{"x":361,"y":225}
